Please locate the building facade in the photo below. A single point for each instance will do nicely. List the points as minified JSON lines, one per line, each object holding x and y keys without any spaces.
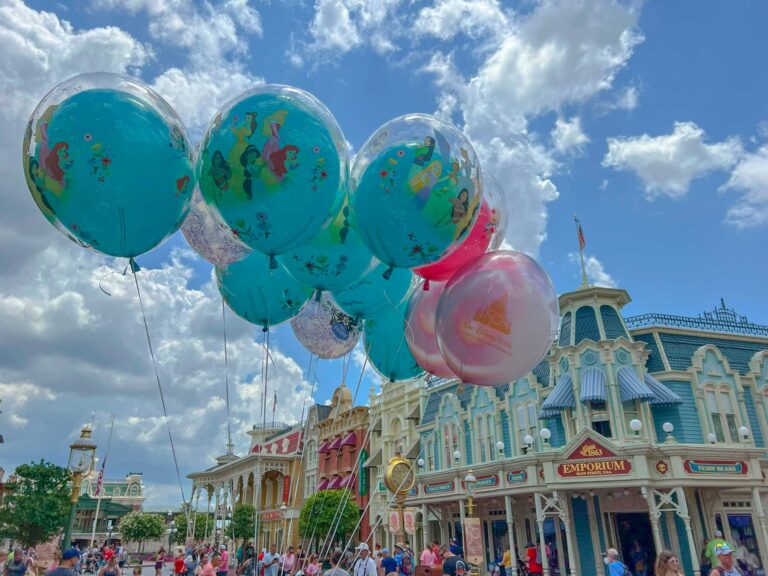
{"x":117,"y":498}
{"x":648,"y":429}
{"x":269,"y":478}
{"x":344,"y":448}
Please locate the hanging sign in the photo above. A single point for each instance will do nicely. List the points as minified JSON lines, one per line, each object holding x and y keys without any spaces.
{"x":473,"y":540}
{"x":715,"y":467}
{"x":409,"y":520}
{"x":438,"y":487}
{"x":394,"y":521}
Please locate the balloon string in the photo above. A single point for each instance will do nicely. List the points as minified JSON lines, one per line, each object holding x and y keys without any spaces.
{"x":226,"y":373}
{"x":134,"y":269}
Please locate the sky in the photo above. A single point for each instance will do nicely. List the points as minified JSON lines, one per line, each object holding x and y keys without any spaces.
{"x":647,"y":120}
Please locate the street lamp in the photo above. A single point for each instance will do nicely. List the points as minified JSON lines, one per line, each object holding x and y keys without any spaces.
{"x":457,"y":456}
{"x":635,"y":425}
{"x":81,"y":455}
{"x":744,"y":432}
{"x":500,"y":448}
{"x":171,"y":530}
{"x":668,"y":427}
{"x":712,"y":437}
{"x":528,"y":440}
{"x":469,"y":485}
{"x":545,"y":434}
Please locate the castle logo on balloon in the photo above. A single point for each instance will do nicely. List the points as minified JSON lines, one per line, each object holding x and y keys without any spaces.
{"x":270,"y":199}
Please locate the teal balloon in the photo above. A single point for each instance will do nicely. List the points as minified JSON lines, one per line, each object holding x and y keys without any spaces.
{"x":333,"y":259}
{"x":375,"y":294}
{"x":274,"y":165}
{"x":259,"y":295}
{"x":109,"y":164}
{"x":416,"y":186}
{"x":387,"y":348}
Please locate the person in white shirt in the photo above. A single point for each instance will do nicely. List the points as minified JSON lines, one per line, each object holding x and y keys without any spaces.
{"x":365,"y":566}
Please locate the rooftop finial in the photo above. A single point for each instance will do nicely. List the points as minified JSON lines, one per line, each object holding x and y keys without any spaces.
{"x":722,"y":302}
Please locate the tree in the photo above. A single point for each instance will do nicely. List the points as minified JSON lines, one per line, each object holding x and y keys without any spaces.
{"x":37,"y":509}
{"x":141,"y":526}
{"x":243,"y":519}
{"x":319,"y":516}
{"x":199,"y":518}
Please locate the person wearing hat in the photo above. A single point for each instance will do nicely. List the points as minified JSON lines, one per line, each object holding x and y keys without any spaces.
{"x":67,"y":565}
{"x":712,"y":544}
{"x":726,"y":565}
{"x":365,"y":566}
{"x":615,"y":566}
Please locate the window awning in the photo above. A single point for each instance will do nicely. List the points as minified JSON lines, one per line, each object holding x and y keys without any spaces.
{"x":349,"y":440}
{"x":324,"y":447}
{"x":413,"y":449}
{"x":559,"y":399}
{"x":663,"y":396}
{"x":631,"y":387}
{"x":336,"y":444}
{"x":335,"y":483}
{"x":373,"y":460}
{"x":347,"y":482}
{"x":323,"y":485}
{"x":592,"y":385}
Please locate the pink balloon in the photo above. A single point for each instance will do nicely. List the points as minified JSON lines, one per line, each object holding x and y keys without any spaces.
{"x":488,"y":230}
{"x":420,"y":330}
{"x":497,"y":318}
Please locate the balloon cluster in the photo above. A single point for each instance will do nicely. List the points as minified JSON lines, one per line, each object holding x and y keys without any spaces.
{"x":270,"y":199}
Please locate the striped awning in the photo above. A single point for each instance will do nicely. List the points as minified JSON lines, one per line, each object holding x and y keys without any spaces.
{"x":347,"y":482}
{"x":592,"y":385}
{"x":336,"y":444}
{"x":335,"y":483}
{"x":324,"y":447}
{"x":663,"y":396}
{"x":559,"y":399}
{"x":322,"y":486}
{"x":631,"y":387}
{"x":349,"y":440}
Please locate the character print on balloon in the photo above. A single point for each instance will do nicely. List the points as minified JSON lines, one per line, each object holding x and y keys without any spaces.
{"x":182,"y":186}
{"x":220,"y":171}
{"x":100,"y":160}
{"x":178,"y":144}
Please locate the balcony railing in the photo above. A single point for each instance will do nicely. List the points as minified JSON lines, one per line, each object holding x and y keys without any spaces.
{"x":721,"y":319}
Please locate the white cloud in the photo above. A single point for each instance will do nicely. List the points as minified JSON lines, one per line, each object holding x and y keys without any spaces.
{"x":595,"y":270}
{"x":667,"y":164}
{"x":627,"y":99}
{"x":475,"y":18}
{"x":332,"y":28}
{"x":567,"y":135}
{"x":751,"y":178}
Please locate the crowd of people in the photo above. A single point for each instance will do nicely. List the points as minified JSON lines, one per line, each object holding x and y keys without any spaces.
{"x":719,"y":558}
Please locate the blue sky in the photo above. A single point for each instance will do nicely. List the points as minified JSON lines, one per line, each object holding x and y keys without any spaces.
{"x":648,"y":120}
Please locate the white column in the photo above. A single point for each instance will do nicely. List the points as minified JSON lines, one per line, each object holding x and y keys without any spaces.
{"x":542,"y":541}
{"x":683,"y":513}
{"x":424,"y":527}
{"x":443,"y":526}
{"x":655,"y":516}
{"x":462,"y":513}
{"x":761,"y":518}
{"x":511,"y":535}
{"x":568,"y":540}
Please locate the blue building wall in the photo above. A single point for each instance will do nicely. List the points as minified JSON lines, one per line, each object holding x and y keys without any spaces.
{"x":685,"y":417}
{"x":685,"y":549}
{"x":754,"y":423}
{"x":506,"y":434}
{"x":583,"y":538}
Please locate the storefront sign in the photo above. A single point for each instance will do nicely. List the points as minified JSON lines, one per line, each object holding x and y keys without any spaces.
{"x":611,"y":467}
{"x":518,"y":477}
{"x":591,"y":458}
{"x":714,"y":467}
{"x":487,"y":481}
{"x":474,"y":551}
{"x":439,"y":488}
{"x":363,"y":475}
{"x":275,"y":515}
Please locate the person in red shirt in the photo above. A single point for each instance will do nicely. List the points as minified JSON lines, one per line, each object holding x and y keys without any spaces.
{"x":179,"y":567}
{"x":534,"y":560}
{"x":108,"y":553}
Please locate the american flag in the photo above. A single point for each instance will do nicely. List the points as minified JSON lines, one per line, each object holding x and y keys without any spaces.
{"x":101,"y":477}
{"x":580,"y":232}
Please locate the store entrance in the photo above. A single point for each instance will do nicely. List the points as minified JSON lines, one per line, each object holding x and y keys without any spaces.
{"x":632,"y":529}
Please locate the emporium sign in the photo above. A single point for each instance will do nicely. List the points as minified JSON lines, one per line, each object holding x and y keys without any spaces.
{"x":593,"y":459}
{"x":714,"y":467}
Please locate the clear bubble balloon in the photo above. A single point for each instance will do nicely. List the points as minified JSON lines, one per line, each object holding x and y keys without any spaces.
{"x":497,"y":318}
{"x":420,"y":330}
{"x":109,"y":164}
{"x":488,"y":229}
{"x":385,"y":344}
{"x":416,"y":190}
{"x":262,"y":296}
{"x":324,"y":330}
{"x":274,"y":165}
{"x":210,"y":238}
{"x":333,"y":259}
{"x":375,"y":294}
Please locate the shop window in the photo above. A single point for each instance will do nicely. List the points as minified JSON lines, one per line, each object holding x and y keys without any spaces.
{"x":312,"y":452}
{"x":601,"y":421}
{"x":450,"y":443}
{"x":723,"y":418}
{"x":430,"y":454}
{"x":486,"y":438}
{"x":527,"y":420}
{"x":631,"y":411}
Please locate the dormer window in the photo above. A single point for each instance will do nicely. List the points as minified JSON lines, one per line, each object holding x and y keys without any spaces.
{"x":601,"y":420}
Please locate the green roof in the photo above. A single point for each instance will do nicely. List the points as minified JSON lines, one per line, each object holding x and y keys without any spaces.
{"x":85,"y":502}
{"x":680,"y":348}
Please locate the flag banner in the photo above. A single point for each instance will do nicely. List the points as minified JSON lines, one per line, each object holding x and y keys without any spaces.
{"x":394,"y":521}
{"x":409,"y":520}
{"x":473,"y":540}
{"x":582,"y":240}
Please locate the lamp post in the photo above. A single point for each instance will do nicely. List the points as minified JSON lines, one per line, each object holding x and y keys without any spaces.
{"x":171,"y":530}
{"x":469,"y":484}
{"x":545,"y":434}
{"x":284,"y":513}
{"x":81,"y":455}
{"x":635,"y":425}
{"x":668,"y":427}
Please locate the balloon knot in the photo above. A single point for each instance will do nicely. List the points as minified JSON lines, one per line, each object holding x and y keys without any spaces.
{"x":388,"y":273}
{"x":265,"y":328}
{"x":318,"y":295}
{"x":426,"y":285}
{"x":134,"y":267}
{"x":272,"y":262}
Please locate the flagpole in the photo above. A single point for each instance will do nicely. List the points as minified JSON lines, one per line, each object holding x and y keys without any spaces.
{"x":580,"y":235}
{"x":103,"y":468}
